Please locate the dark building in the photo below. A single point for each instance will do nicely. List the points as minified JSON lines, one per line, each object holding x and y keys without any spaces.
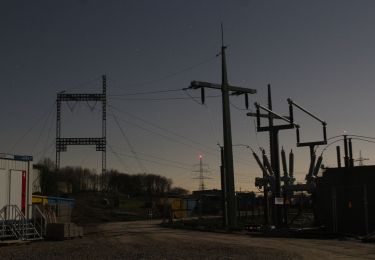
{"x":345,"y":200}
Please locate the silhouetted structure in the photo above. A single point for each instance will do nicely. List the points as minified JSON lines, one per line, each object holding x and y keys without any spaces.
{"x":345,"y":200}
{"x":99,"y":142}
{"x":226,"y":89}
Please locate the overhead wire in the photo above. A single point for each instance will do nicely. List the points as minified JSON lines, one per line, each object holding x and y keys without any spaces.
{"x":362,"y":139}
{"x":361,"y":136}
{"x":191,"y":97}
{"x":214,"y":153}
{"x":161,"y":128}
{"x":158,"y":99}
{"x":46,"y":112}
{"x":152,"y":161}
{"x":211,"y":119}
{"x":48,"y":134}
{"x":173,"y":74}
{"x":163,"y":159}
{"x":118,"y":157}
{"x":208,"y":112}
{"x":145,"y":92}
{"x":41,"y":131}
{"x":132,"y":149}
{"x":161,"y":135}
{"x":328,"y":145}
{"x":43,"y":152}
{"x":355,"y":137}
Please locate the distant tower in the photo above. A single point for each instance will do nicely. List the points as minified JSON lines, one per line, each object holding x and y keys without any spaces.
{"x":202,"y":170}
{"x":361,"y":159}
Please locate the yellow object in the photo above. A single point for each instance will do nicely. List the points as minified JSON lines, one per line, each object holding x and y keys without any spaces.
{"x":179,"y":209}
{"x":40,"y":199}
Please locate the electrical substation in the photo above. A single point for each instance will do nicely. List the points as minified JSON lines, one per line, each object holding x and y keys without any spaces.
{"x":330,"y":201}
{"x":187,"y":130}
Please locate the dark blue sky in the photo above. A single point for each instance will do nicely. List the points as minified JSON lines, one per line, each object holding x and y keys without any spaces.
{"x":320,"y":53}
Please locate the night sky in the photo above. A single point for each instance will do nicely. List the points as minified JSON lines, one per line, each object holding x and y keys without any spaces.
{"x":319,"y":53}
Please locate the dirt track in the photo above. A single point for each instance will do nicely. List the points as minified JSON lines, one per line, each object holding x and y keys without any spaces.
{"x":146,"y":240}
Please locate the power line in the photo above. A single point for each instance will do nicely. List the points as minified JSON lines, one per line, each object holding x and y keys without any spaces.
{"x":119,"y":158}
{"x":152,"y":161}
{"x":163,"y":159}
{"x":141,"y":166}
{"x":164,"y":136}
{"x":146,"y":92}
{"x":159,"y":99}
{"x":49,"y":133}
{"x":365,"y":140}
{"x":42,"y":130}
{"x":238,"y":108}
{"x":48,"y":147}
{"x":46,"y":112}
{"x":173,"y":74}
{"x":361,"y":136}
{"x":162,"y":129}
{"x":192,"y":98}
{"x":211,"y":119}
{"x":215,"y":153}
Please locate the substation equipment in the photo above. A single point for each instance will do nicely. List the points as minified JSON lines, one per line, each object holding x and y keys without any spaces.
{"x":270,"y":182}
{"x":345,"y":196}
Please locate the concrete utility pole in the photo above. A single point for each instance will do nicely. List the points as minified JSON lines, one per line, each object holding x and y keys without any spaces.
{"x":223,"y":188}
{"x":227,"y":131}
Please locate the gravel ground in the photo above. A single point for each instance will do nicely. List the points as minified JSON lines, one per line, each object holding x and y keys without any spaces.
{"x":146,"y":240}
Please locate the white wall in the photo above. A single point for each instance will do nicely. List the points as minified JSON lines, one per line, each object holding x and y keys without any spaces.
{"x":11,"y":182}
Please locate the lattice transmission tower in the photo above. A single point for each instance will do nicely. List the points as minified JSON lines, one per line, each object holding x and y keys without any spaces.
{"x":99,"y":142}
{"x":203,"y":168}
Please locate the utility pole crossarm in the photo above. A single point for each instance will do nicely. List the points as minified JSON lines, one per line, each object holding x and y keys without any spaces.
{"x":266,"y":115}
{"x":273,"y":115}
{"x":236,"y":90}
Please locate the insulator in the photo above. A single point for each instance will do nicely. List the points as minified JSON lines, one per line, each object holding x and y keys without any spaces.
{"x":267,"y":164}
{"x":283,"y":160}
{"x":203,"y":97}
{"x":291,"y":163}
{"x":312,"y":164}
{"x":247,"y":101}
{"x":317,"y":166}
{"x":259,"y":162}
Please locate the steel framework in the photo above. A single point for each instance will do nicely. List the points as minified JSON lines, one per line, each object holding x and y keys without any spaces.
{"x":99,"y":142}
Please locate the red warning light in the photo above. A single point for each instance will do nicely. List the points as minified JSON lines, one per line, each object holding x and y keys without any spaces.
{"x":200,"y":156}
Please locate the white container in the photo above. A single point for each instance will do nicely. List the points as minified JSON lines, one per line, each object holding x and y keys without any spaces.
{"x":15,"y":179}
